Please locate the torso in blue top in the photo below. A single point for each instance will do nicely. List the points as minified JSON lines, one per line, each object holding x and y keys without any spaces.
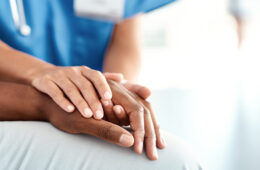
{"x":60,"y":37}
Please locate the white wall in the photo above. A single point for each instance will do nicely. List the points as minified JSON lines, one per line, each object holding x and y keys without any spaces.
{"x":205,"y":89}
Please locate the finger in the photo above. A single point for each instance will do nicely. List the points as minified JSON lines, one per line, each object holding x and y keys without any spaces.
{"x":99,"y":81}
{"x":89,"y":93}
{"x":160,"y":142}
{"x":50,"y":88}
{"x":108,"y":109}
{"x":115,"y":76}
{"x":106,"y":131}
{"x":141,"y":91}
{"x":121,"y":115}
{"x":137,"y":125}
{"x":150,"y":137}
{"x":74,"y":95}
{"x":134,"y":110}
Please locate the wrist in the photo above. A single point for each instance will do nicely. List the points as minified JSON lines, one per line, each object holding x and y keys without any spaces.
{"x":34,"y":72}
{"x":31,"y":66}
{"x":21,"y":102}
{"x":43,"y":105}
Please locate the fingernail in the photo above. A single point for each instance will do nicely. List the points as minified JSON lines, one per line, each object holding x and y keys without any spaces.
{"x":99,"y":114}
{"x":124,"y":81}
{"x":140,"y":147}
{"x":105,"y":102}
{"x":163,"y":141}
{"x":121,"y":75}
{"x":126,"y":140}
{"x":118,"y":110}
{"x":108,"y":95}
{"x":155,"y":153}
{"x":70,"y":108}
{"x":87,"y":113}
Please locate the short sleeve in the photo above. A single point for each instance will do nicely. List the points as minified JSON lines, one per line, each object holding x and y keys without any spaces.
{"x":133,"y":7}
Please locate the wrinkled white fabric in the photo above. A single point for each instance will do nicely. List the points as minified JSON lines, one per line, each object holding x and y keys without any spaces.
{"x":40,"y":146}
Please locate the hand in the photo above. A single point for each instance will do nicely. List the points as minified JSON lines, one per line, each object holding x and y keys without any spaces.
{"x":76,"y":124}
{"x":74,"y":86}
{"x":23,"y":102}
{"x":141,"y":119}
{"x":141,"y":91}
{"x":116,"y":113}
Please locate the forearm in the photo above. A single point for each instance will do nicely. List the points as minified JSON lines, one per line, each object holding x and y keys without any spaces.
{"x":16,"y":66}
{"x":124,"y":52}
{"x":21,"y":102}
{"x":123,"y":61}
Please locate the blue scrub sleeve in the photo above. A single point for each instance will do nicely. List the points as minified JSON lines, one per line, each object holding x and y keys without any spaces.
{"x":133,"y":7}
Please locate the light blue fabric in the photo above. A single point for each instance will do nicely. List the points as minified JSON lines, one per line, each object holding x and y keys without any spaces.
{"x":60,"y":37}
{"x":39,"y":146}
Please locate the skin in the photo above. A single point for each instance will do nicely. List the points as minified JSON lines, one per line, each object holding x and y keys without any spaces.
{"x":240,"y":29}
{"x":124,"y":56}
{"x":65,"y":85}
{"x":141,"y":120}
{"x":124,"y":51}
{"x":78,"y":87}
{"x":38,"y":106}
{"x":116,"y":113}
{"x":83,"y":90}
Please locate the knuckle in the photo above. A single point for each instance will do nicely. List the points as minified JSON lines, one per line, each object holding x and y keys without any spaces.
{"x":46,"y":77}
{"x":105,"y":132}
{"x":85,"y":86}
{"x":84,"y":67}
{"x":75,"y":70}
{"x":146,"y":111}
{"x":92,"y":73}
{"x":62,"y":82}
{"x":70,"y":91}
{"x":88,"y":94}
{"x":60,"y":72}
{"x":98,"y":75}
{"x":151,"y":136}
{"x":55,"y":94}
{"x":57,"y":97}
{"x":147,"y":104}
{"x":140,"y":132}
{"x":111,"y":82}
{"x":80,"y":102}
{"x":69,"y":125}
{"x":157,"y":127}
{"x":139,"y":108}
{"x":71,"y":70}
{"x":95,"y":103}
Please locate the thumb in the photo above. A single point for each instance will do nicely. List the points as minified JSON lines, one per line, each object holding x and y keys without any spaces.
{"x":118,"y":77}
{"x":141,"y":91}
{"x":108,"y":131}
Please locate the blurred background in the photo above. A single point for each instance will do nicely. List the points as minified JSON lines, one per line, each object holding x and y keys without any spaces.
{"x":201,"y":59}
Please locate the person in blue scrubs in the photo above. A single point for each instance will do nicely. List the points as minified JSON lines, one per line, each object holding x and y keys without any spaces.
{"x":45,"y":45}
{"x":71,"y":51}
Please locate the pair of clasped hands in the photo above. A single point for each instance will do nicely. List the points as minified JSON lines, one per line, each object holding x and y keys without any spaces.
{"x":100,"y":105}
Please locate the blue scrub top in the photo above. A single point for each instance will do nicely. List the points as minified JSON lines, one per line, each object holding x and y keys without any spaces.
{"x":59,"y":37}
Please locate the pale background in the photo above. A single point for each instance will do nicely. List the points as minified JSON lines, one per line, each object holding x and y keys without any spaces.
{"x":205,"y":89}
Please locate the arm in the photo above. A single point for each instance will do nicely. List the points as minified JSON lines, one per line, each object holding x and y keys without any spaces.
{"x":124,"y":52}
{"x":69,"y":87}
{"x":21,"y":102}
{"x":240,"y":30}
{"x":16,"y":66}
